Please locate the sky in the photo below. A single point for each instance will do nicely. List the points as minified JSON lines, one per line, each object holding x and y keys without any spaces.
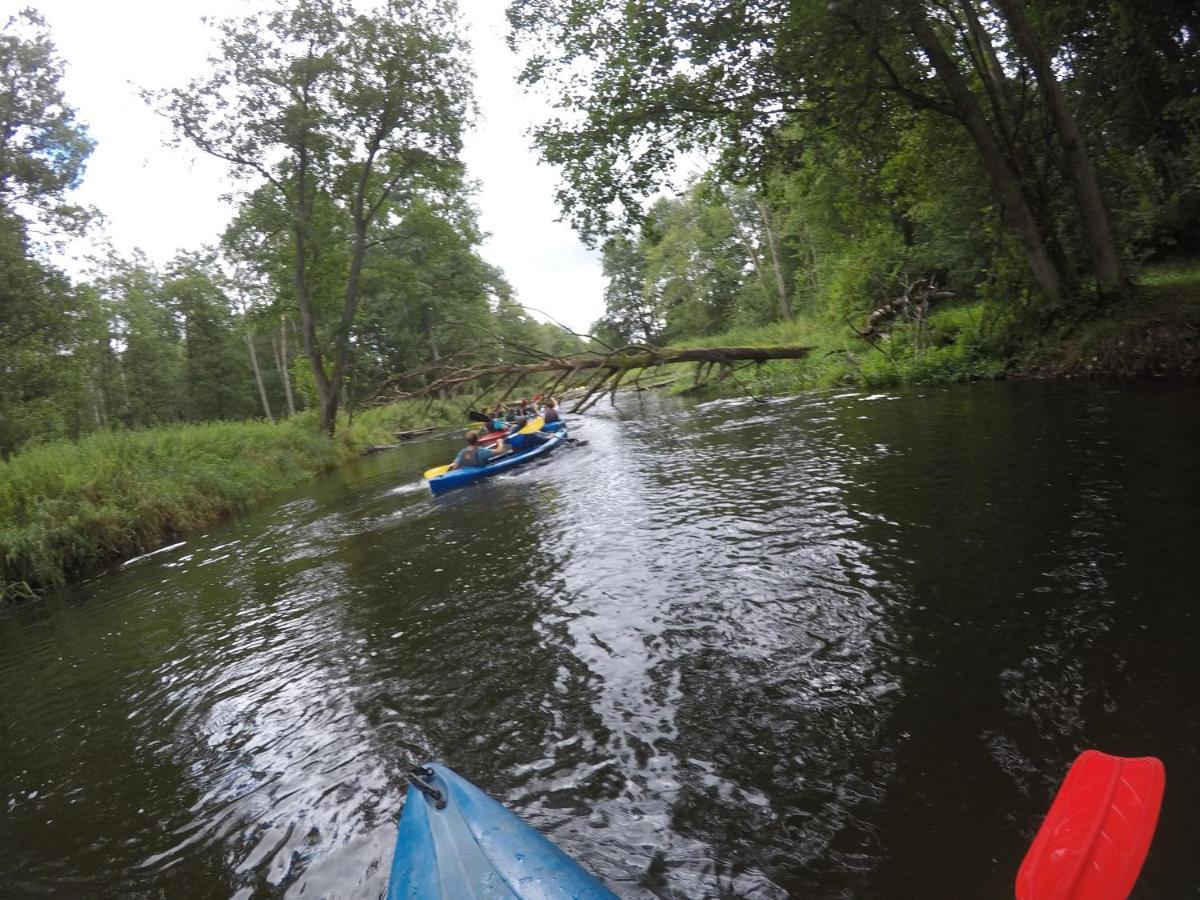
{"x":162,"y":199}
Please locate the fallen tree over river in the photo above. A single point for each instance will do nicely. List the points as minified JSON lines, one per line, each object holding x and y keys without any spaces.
{"x":592,"y":375}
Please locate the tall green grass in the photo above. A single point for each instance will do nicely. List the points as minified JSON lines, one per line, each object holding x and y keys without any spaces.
{"x":953,"y":349}
{"x":960,"y":343}
{"x":69,"y":508}
{"x":1178,"y":272}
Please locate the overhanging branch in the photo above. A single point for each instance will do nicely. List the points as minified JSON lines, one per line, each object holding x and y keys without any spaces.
{"x":608,"y":368}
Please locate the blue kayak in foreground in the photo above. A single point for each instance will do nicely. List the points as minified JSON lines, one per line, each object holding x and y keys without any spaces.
{"x":457,"y":843}
{"x":458,"y":477}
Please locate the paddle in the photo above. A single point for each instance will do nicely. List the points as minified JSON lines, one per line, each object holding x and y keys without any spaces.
{"x":534,"y":425}
{"x":1094,"y":839}
{"x":479,"y":417}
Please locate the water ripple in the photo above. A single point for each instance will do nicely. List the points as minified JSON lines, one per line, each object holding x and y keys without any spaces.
{"x":735,"y":649}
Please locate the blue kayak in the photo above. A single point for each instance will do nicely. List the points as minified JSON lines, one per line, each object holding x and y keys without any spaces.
{"x":458,"y":477}
{"x":457,"y":843}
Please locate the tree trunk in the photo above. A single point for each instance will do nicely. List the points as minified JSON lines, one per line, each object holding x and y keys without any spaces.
{"x":281,"y":360}
{"x":433,"y":346}
{"x":341,"y":353}
{"x":752,"y":252}
{"x":262,"y":391}
{"x":308,"y":328}
{"x":1106,"y":260}
{"x":98,"y":405}
{"x":622,"y":360}
{"x":326,"y":394}
{"x":991,"y":73}
{"x":329,"y":404}
{"x":1005,"y":183}
{"x":785,"y":309}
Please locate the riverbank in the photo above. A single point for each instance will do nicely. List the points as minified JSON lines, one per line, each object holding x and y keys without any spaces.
{"x":1154,"y":334}
{"x":68,"y":509}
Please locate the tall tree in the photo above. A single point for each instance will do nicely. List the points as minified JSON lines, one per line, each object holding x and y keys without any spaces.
{"x":696,"y":263}
{"x":215,"y":377}
{"x":320,"y":100}
{"x":40,"y":377}
{"x":42,"y":147}
{"x":1077,"y":161}
{"x":755,"y":227}
{"x":1130,"y":70}
{"x":149,"y":334}
{"x":42,"y":152}
{"x":642,"y":81}
{"x":627,"y":311}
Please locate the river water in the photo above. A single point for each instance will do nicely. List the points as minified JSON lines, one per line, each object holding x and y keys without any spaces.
{"x":837,"y":645}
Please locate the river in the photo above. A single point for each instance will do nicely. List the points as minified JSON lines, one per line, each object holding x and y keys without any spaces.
{"x":838,"y":645}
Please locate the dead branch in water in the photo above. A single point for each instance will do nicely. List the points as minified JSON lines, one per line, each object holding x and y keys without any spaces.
{"x":912,"y":304}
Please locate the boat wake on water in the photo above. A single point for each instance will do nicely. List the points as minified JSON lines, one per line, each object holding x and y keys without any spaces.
{"x":412,"y":487}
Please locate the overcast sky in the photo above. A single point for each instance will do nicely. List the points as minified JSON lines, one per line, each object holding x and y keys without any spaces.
{"x":163,"y":200}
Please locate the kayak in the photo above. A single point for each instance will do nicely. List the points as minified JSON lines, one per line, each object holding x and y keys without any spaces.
{"x":457,"y":843}
{"x":490,"y":437}
{"x":458,"y":477}
{"x":532,"y":426}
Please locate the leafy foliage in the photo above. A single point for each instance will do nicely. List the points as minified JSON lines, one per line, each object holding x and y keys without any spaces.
{"x":42,"y":147}
{"x":979,"y":142}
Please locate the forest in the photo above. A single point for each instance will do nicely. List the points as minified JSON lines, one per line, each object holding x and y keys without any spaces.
{"x":857,"y":165}
{"x":352,"y":255}
{"x":917,"y":190}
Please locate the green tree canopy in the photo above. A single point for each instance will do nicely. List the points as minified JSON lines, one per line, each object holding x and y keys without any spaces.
{"x":338,"y":110}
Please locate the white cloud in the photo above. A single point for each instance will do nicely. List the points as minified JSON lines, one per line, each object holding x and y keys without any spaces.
{"x":164,"y":199}
{"x":542,"y":258}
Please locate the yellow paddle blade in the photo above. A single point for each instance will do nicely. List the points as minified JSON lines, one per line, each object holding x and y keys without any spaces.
{"x":437,"y":470}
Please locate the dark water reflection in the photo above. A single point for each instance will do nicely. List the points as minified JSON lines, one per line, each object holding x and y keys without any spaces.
{"x":842,"y":645}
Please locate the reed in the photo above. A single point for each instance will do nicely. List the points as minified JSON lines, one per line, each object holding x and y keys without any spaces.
{"x":953,"y":347}
{"x":68,"y":509}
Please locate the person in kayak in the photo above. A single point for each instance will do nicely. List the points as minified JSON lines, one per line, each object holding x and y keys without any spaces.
{"x":518,"y":441}
{"x":551,"y":411}
{"x":499,"y":422}
{"x":473,"y":455}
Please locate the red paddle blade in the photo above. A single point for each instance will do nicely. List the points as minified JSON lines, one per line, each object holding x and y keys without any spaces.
{"x":1095,"y":837}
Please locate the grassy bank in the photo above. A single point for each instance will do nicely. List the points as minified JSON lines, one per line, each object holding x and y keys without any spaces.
{"x":1154,"y":333}
{"x":951,"y":349}
{"x":70,"y":508}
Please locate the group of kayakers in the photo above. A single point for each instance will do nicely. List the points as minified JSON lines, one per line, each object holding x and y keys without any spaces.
{"x":503,"y":414}
{"x":473,"y":454}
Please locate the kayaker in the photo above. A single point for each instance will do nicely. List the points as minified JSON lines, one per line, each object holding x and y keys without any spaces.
{"x":520,"y":441}
{"x":473,"y":455}
{"x":551,"y":412}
